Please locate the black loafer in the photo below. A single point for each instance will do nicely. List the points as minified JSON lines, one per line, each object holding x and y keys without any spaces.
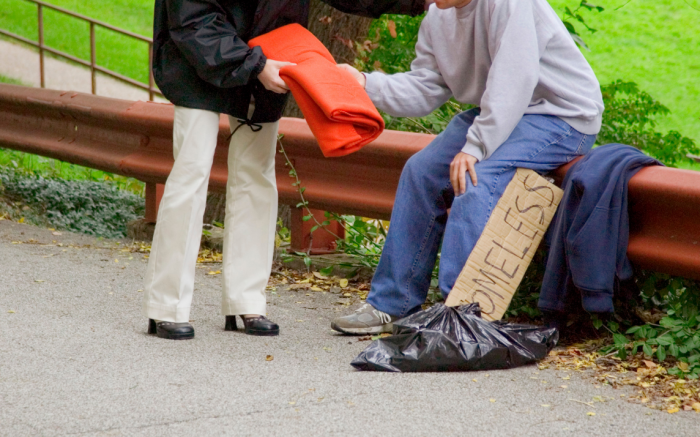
{"x":253,"y":325}
{"x":171,"y":330}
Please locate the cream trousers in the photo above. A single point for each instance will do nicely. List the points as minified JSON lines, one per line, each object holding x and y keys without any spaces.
{"x":249,"y":227}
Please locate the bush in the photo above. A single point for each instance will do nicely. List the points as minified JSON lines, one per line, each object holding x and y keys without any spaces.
{"x":676,"y":337}
{"x":94,"y":208}
{"x":629,"y":118}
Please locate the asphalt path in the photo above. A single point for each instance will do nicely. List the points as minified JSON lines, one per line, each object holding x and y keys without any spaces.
{"x":75,"y":360}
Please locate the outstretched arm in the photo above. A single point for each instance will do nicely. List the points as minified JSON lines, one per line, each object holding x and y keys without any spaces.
{"x":414,"y":93}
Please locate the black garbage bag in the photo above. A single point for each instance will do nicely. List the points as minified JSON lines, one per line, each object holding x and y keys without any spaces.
{"x":448,"y":339}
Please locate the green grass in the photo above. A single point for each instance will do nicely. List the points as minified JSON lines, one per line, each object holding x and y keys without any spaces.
{"x":53,"y":168}
{"x":653,"y":43}
{"x":114,"y":51}
{"x":5,"y":79}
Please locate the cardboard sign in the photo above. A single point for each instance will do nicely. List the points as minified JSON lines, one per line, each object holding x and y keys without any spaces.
{"x":506,"y":247}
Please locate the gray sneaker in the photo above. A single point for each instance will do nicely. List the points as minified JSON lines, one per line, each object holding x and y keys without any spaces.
{"x":365,"y":320}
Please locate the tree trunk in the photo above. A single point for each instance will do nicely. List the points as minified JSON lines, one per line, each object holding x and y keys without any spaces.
{"x":335,"y":30}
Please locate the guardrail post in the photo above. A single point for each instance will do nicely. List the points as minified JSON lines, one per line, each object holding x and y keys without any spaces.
{"x":323,"y":242}
{"x":40,"y":23}
{"x":93,"y":58}
{"x":154,"y":192}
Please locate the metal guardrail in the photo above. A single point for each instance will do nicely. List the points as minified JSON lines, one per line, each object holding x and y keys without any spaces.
{"x":92,"y":64}
{"x":135,"y":139}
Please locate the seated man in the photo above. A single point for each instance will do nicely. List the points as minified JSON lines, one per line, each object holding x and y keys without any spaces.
{"x":539,"y":107}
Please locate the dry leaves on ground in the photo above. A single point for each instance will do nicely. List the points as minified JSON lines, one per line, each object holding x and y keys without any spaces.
{"x":654,"y":387}
{"x":303,"y":281}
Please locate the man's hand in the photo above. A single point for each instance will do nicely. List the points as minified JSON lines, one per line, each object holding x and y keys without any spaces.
{"x":462,"y":164}
{"x":270,"y":76}
{"x":355,"y":73}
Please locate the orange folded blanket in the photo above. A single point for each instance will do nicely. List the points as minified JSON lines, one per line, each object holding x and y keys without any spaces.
{"x":337,"y":109}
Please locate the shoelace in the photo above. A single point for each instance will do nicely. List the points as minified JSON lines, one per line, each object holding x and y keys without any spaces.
{"x":381,"y":315}
{"x":253,"y":126}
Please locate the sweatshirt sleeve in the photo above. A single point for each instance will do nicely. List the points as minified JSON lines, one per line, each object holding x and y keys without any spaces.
{"x":211,"y":44}
{"x":415,"y":93}
{"x":512,"y":78}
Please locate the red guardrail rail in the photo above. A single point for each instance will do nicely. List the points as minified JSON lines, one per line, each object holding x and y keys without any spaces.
{"x":135,"y":139}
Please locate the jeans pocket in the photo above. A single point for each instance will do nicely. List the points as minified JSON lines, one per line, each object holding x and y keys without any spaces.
{"x":584,"y":146}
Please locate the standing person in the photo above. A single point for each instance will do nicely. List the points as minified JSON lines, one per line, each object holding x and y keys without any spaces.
{"x":203,"y":65}
{"x":539,"y":106}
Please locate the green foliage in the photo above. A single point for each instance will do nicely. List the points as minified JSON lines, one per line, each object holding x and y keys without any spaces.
{"x":364,"y":239}
{"x":676,"y":338}
{"x":387,"y":50}
{"x":53,"y":168}
{"x":5,"y":79}
{"x":570,"y":17}
{"x":630,"y":118}
{"x":94,"y":208}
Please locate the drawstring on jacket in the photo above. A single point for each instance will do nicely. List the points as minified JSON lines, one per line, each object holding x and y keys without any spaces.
{"x":255,"y":127}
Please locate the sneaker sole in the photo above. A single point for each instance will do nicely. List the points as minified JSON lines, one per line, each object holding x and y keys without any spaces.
{"x":387,"y":328}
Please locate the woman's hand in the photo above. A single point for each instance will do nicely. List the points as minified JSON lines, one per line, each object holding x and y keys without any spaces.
{"x":270,"y":76}
{"x":355,"y":73}
{"x":462,"y":164}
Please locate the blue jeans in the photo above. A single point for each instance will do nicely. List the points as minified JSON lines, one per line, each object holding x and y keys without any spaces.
{"x":419,"y":220}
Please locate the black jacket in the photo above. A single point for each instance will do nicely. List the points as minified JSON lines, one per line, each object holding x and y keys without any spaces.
{"x":201,"y":58}
{"x":590,"y":232}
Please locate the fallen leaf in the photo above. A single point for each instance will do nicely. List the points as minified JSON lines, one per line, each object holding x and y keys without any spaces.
{"x":214,"y":272}
{"x":391,"y":25}
{"x":39,"y":280}
{"x":492,"y":400}
{"x":22,"y":219}
{"x":314,"y":288}
{"x":590,"y":413}
{"x":696,"y":407}
{"x":57,"y":233}
{"x":269,"y":358}
{"x":343,"y":283}
{"x":320,"y":276}
{"x":546,"y":405}
{"x":11,"y":311}
{"x":673,"y":410}
{"x":474,"y":379}
{"x":563,"y":386}
{"x":650,"y":364}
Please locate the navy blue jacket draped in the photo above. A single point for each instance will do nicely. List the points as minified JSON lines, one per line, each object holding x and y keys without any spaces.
{"x":589,"y":234}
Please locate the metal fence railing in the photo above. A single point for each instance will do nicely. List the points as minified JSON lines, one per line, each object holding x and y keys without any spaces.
{"x":92,"y":64}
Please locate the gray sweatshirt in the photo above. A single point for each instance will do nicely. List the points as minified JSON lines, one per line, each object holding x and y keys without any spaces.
{"x":510,"y":57}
